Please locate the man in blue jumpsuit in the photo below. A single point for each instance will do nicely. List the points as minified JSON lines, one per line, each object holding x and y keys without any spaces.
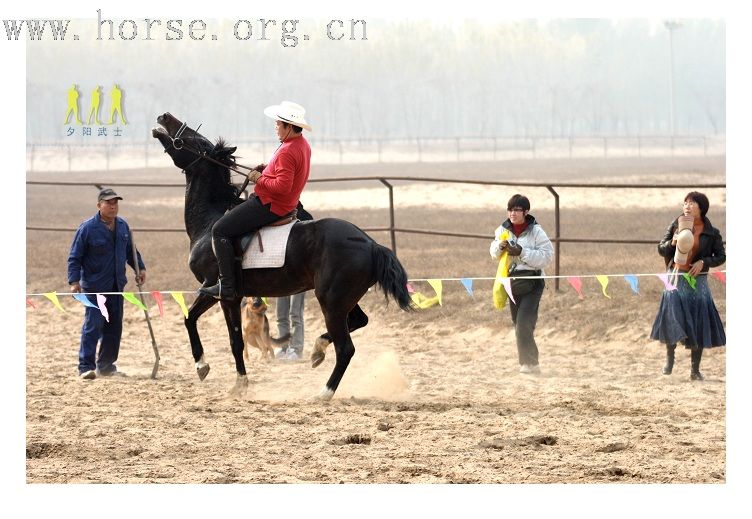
{"x":96,"y":264}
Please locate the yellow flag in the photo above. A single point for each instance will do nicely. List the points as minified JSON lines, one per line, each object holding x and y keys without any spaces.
{"x":436,"y":285}
{"x":52,"y":296}
{"x":422,"y":301}
{"x":499,"y":293}
{"x":178,"y":296}
{"x":603,"y":280}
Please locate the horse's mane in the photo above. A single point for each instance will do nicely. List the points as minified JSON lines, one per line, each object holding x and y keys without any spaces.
{"x":223,"y":153}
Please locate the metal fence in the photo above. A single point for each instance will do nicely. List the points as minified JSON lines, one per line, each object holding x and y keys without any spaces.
{"x":393,"y":230}
{"x":92,"y":155}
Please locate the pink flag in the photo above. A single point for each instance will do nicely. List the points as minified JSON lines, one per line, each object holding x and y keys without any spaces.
{"x":158,"y":298}
{"x":410,"y":289}
{"x":508,"y":287}
{"x":720,"y":276}
{"x":577,"y":285}
{"x":666,"y":284}
{"x":100,"y":303}
{"x":30,"y":303}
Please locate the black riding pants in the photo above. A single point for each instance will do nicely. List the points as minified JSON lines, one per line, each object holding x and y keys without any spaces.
{"x":244,"y":218}
{"x":524,"y":317}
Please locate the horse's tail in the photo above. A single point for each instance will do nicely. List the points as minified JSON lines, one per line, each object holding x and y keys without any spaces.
{"x":391,"y":276}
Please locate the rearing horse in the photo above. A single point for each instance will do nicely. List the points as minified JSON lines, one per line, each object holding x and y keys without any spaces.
{"x":333,"y":257}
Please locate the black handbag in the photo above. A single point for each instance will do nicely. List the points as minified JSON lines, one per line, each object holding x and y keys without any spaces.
{"x":523,"y":285}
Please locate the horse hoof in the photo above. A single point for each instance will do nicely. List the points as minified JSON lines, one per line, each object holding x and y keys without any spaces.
{"x":325,"y":395}
{"x":202,"y":368}
{"x":317,"y":357}
{"x":241,"y":386}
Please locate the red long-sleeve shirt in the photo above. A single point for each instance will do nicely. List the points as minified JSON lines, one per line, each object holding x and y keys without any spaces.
{"x":285,"y":176}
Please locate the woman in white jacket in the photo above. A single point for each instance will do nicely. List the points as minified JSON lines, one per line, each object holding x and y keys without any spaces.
{"x":530,"y":251}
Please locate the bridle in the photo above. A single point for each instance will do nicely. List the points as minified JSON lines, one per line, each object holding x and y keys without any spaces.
{"x":178,"y":143}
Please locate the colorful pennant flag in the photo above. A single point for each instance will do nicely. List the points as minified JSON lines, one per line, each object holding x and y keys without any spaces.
{"x":101,"y":300}
{"x":178,"y":296}
{"x":508,"y":288}
{"x":468,"y":284}
{"x":131,"y":298}
{"x":422,"y":301}
{"x":265,"y":300}
{"x":52,"y":296}
{"x":634,"y":283}
{"x":30,"y":303}
{"x":666,"y":284}
{"x":576,"y":283}
{"x":84,"y":300}
{"x":603,"y":280}
{"x":158,"y":298}
{"x":410,"y":289}
{"x":691,"y":281}
{"x":720,"y":276}
{"x":436,"y":285}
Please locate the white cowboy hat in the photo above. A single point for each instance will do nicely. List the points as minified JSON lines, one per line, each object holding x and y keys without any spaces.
{"x":288,"y":112}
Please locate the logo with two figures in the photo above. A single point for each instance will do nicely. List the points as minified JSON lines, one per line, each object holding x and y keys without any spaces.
{"x":116,"y":106}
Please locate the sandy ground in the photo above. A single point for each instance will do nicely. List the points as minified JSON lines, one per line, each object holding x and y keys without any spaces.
{"x":432,"y":397}
{"x":422,"y":401}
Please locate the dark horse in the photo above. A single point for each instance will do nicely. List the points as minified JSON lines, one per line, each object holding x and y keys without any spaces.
{"x":333,"y":257}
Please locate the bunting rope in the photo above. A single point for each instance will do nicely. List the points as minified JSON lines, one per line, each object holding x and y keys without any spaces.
{"x":420,"y":300}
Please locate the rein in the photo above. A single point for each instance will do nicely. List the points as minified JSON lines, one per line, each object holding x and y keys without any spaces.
{"x":178,"y":143}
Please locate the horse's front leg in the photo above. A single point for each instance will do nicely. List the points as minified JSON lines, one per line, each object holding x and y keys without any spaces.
{"x":233,"y":320}
{"x":198,"y":308}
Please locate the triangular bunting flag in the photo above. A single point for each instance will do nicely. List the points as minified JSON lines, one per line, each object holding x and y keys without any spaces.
{"x":422,"y":301}
{"x":158,"y":298}
{"x":101,"y":300}
{"x":436,"y":285}
{"x":84,"y":300}
{"x":131,"y":298}
{"x":468,"y":284}
{"x":603,"y":280}
{"x":410,"y":289}
{"x":30,"y":303}
{"x":265,"y":300}
{"x":178,"y":296}
{"x":576,"y":283}
{"x":634,"y":283}
{"x":720,"y":276}
{"x":666,"y":284}
{"x":508,"y":288}
{"x":52,"y":296}
{"x":690,"y":280}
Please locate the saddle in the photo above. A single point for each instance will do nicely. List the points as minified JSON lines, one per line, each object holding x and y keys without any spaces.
{"x":244,"y":241}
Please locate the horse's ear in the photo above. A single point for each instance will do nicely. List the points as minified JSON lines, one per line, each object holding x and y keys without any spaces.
{"x":222,"y":151}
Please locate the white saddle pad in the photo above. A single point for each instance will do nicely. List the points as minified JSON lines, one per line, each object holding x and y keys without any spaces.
{"x":275,"y":245}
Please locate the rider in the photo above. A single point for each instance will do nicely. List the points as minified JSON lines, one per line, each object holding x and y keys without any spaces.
{"x":277,"y":193}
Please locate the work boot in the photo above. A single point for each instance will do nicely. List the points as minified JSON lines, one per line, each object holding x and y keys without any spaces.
{"x":225,"y":288}
{"x":696,"y":357}
{"x":669,"y":367}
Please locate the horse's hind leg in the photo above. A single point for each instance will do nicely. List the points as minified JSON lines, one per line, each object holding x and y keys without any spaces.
{"x":357,"y":318}
{"x":198,"y":308}
{"x":233,"y":320}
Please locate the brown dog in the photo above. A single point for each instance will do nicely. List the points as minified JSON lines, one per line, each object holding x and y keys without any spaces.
{"x":256,"y":329}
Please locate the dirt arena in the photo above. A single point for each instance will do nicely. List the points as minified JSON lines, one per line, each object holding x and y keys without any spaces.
{"x":430,"y":397}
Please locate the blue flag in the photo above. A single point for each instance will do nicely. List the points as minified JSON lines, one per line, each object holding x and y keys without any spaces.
{"x":468,"y":283}
{"x":634,"y":283}
{"x":85,"y":300}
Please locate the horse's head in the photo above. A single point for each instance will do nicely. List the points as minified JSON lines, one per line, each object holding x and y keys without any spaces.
{"x":185,"y":145}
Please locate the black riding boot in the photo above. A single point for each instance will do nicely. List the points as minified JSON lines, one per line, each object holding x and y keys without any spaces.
{"x":696,"y":357}
{"x":669,"y":367}
{"x":225,"y":288}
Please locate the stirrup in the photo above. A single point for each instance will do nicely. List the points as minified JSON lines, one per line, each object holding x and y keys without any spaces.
{"x":219,"y":291}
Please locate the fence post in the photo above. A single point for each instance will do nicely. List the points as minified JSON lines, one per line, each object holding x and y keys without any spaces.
{"x":557,"y":235}
{"x":391,"y":214}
